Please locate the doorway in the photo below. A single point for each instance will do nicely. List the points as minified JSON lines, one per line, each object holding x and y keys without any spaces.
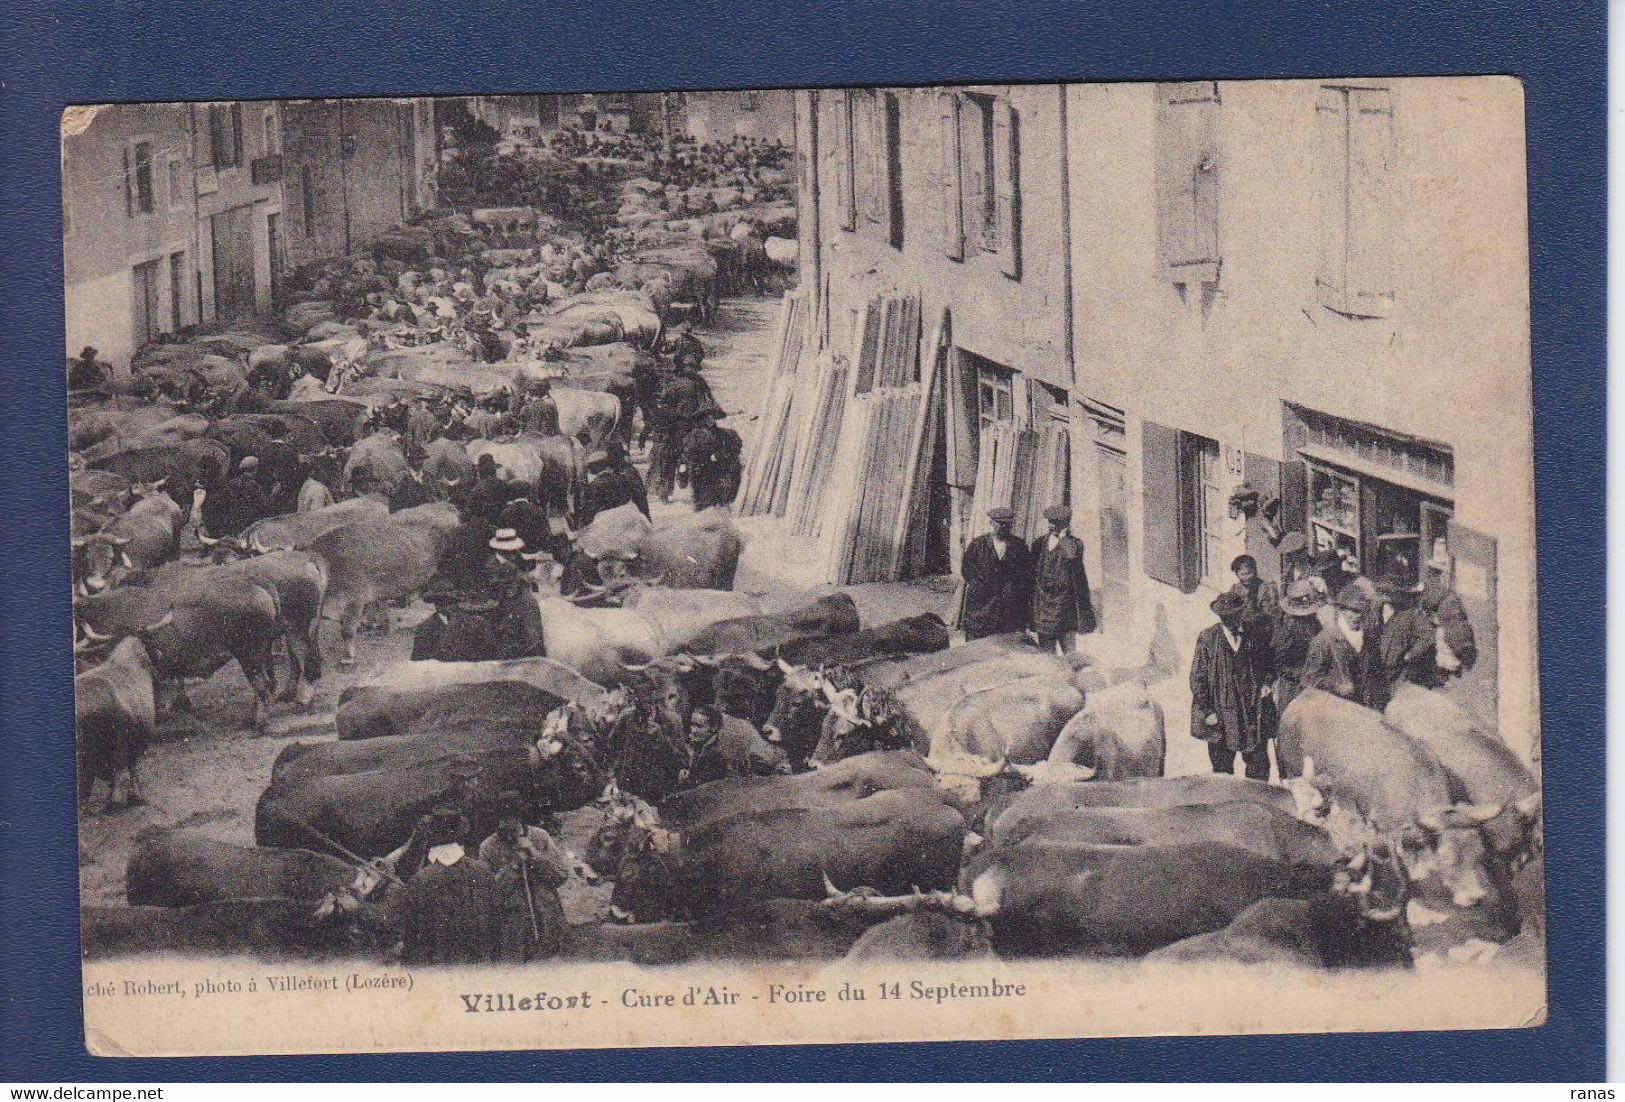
{"x":1112,"y":468}
{"x":232,"y":233}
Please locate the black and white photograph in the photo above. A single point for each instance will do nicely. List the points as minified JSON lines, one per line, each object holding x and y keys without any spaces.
{"x":816,"y":565}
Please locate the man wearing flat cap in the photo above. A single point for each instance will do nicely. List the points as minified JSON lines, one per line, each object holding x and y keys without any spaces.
{"x":997,"y":567}
{"x":1232,"y":673}
{"x":1406,"y":642}
{"x":1061,"y":603}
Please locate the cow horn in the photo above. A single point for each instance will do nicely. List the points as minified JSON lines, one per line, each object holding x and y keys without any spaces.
{"x":159,"y":484}
{"x":1529,"y":806}
{"x":1475,"y":814}
{"x":830,"y":889}
{"x":785,"y":667}
{"x":118,"y":541}
{"x":751,"y":659}
{"x":79,"y":541}
{"x":1430,"y":821}
{"x":635,"y":667}
{"x":161,"y":622}
{"x":204,"y":539}
{"x":95,"y":636}
{"x":452,"y":482}
{"x":536,"y":557}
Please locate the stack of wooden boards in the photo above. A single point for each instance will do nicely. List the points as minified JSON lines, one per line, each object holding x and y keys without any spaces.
{"x":846,"y":445}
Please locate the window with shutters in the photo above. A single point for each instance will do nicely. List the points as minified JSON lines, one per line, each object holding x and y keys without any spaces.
{"x":226,"y":135}
{"x":273,"y":142}
{"x":951,"y":178}
{"x":1184,"y":507}
{"x":1208,"y":506}
{"x":1355,"y":150}
{"x":1187,"y":181}
{"x":145,"y":323}
{"x":995,"y":396}
{"x":138,"y":178}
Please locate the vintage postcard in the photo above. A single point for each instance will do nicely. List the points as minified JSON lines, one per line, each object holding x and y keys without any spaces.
{"x":767,"y":567}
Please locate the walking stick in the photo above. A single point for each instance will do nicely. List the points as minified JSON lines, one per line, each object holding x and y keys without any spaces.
{"x":530,"y":903}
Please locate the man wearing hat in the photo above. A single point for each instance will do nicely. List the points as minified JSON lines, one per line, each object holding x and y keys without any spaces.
{"x":1335,"y":662}
{"x":1405,"y":643}
{"x":540,"y":415}
{"x":612,"y":481}
{"x":997,"y":567}
{"x":449,"y":910}
{"x":1296,"y":628}
{"x":711,"y":454}
{"x":1061,"y":603}
{"x":529,"y":867}
{"x":454,"y":632}
{"x":1263,"y":598}
{"x":88,"y":371}
{"x":238,"y":503}
{"x":1232,"y":706}
{"x":514,"y":617}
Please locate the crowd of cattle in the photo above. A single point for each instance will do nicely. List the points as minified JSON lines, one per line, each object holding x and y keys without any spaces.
{"x":888,"y":793}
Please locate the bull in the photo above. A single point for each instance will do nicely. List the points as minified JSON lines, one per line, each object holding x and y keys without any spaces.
{"x":145,"y":536}
{"x":182,"y":868}
{"x":193,"y":624}
{"x":697,"y":551}
{"x":1323,"y":931}
{"x":1119,"y":733}
{"x":374,"y":712}
{"x":376,"y":462}
{"x":1398,"y":784}
{"x":376,"y":560}
{"x":340,"y":420}
{"x":115,"y":718}
{"x":181,"y":468}
{"x":296,"y":531}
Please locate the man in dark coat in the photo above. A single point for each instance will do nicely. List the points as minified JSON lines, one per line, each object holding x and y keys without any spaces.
{"x":1061,"y":602}
{"x":1335,"y":660}
{"x":453,"y":633}
{"x":611,"y":481}
{"x":1405,"y":644}
{"x":1231,"y":689}
{"x":491,"y":492}
{"x":237,"y":504}
{"x":1263,"y":598}
{"x":451,"y":908}
{"x":998,"y":572}
{"x":1296,"y":628}
{"x":540,"y":416}
{"x":711,"y":453}
{"x":515,"y":619}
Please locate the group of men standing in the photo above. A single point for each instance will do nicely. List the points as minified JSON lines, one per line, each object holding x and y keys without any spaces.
{"x":1267,"y":647}
{"x":1042,"y":589}
{"x":688,"y":443}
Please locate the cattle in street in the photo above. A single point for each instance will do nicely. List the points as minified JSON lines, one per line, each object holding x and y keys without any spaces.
{"x":375,"y":463}
{"x":340,"y":419}
{"x":605,"y":645}
{"x":1323,"y":931}
{"x":399,"y":686}
{"x":1119,"y":733}
{"x":446,"y":466}
{"x":143,"y":537}
{"x":1017,"y":722}
{"x":922,"y":634}
{"x":374,"y":712}
{"x":296,"y":531}
{"x":115,"y":717}
{"x":192,"y":624}
{"x":1047,"y":801}
{"x":1256,"y":828}
{"x":1398,"y":784}
{"x":696,"y":551}
{"x":588,"y":414}
{"x":378,"y":560}
{"x":313,"y":495}
{"x":180,"y":468}
{"x":552,"y":466}
{"x":267,"y":928}
{"x":306,"y":436}
{"x":835,"y":614}
{"x":181,"y":868}
{"x":889,"y":840}
{"x":1077,"y":897}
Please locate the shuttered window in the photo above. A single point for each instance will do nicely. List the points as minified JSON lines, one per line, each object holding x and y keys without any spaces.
{"x":953,"y":215}
{"x":226,"y":134}
{"x":1187,"y":181}
{"x":141,"y":178}
{"x":1163,"y":545}
{"x":891,"y":143}
{"x":1355,"y":143}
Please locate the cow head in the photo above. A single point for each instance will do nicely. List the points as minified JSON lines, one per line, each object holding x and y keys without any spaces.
{"x":227,"y":548}
{"x":859,"y":720}
{"x":745,"y":685}
{"x":565,"y":770}
{"x":100,"y":561}
{"x":1452,"y":848}
{"x":799,"y":706}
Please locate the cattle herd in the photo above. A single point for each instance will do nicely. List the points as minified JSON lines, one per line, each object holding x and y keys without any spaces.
{"x":866,"y":790}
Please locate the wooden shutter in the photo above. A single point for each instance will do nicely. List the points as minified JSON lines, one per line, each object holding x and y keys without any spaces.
{"x":963,"y":412}
{"x":1369,"y":266}
{"x":845,"y":199}
{"x":1186,"y":180}
{"x":129,"y":185}
{"x":953,"y":212}
{"x":1160,"y":489}
{"x":1331,"y":136}
{"x":1007,"y":170}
